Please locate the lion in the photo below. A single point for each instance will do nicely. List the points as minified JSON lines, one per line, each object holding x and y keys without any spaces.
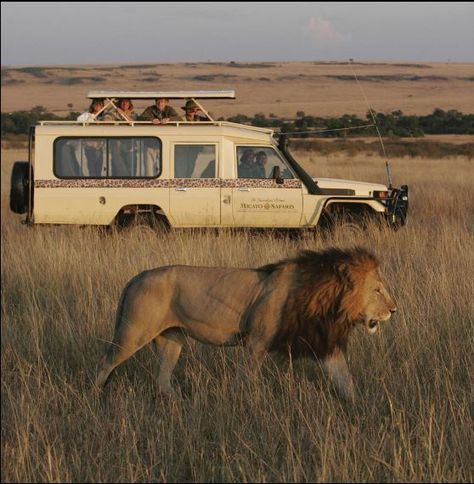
{"x":306,"y":305}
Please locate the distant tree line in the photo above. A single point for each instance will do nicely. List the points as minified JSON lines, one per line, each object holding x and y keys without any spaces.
{"x":394,"y":124}
{"x":19,"y":122}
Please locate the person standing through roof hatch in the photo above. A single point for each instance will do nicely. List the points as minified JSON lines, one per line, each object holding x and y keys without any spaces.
{"x":191,"y":110}
{"x":94,"y":113}
{"x":160,"y":112}
{"x":124,"y":111}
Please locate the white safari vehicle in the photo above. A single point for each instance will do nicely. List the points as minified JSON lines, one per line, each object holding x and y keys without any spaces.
{"x":186,"y":174}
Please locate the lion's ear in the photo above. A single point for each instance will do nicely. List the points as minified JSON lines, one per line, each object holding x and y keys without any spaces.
{"x":341,"y":268}
{"x":343,"y":272}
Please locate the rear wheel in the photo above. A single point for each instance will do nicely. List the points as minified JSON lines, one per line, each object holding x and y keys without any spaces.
{"x":141,"y":217}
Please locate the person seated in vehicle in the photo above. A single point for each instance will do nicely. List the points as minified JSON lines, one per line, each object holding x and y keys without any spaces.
{"x":191,"y":110}
{"x":95,"y":112}
{"x":160,"y":112}
{"x":248,"y":167}
{"x":261,"y":159}
{"x":124,"y":111}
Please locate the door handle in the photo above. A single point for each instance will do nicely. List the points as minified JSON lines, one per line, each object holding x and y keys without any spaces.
{"x":244,"y":189}
{"x":181,"y":189}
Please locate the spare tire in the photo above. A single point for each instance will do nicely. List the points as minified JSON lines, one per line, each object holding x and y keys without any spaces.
{"x":19,"y":187}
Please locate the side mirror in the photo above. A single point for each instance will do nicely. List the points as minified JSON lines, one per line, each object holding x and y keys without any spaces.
{"x":276,"y":175}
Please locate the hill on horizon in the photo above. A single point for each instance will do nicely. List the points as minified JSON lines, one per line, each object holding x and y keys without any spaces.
{"x":325,"y":88}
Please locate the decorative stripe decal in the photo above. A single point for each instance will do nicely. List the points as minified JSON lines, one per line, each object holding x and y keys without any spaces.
{"x":167,"y":183}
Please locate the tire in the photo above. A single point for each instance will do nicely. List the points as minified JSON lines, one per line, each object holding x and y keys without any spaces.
{"x":146,"y":220}
{"x":19,"y":187}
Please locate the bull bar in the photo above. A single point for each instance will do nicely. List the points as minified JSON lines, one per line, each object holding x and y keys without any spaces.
{"x":397,"y":206}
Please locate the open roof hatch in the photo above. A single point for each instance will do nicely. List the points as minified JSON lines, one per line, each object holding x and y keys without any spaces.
{"x":110,"y":96}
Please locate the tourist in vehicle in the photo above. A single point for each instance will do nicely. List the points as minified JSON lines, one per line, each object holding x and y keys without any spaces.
{"x":191,"y":110}
{"x":261,"y":159}
{"x":246,"y":168}
{"x":95,"y":112}
{"x":252,"y":165}
{"x":124,"y":111}
{"x":160,"y":112}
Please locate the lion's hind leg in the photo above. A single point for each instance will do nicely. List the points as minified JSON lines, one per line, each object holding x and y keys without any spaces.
{"x":169,"y":344}
{"x":137,"y":324}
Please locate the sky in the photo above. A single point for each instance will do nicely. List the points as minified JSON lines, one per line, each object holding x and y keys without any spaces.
{"x":51,"y":33}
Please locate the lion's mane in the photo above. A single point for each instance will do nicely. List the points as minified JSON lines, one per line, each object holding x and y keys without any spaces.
{"x":324,"y":301}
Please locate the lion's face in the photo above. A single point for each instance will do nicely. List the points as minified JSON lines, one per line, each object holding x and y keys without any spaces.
{"x":377,"y":303}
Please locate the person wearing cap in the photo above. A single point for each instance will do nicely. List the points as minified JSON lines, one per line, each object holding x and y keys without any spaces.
{"x":94,"y":113}
{"x":160,"y":112}
{"x":191,"y":109}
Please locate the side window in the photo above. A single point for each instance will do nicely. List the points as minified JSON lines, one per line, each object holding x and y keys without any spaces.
{"x":78,"y":157}
{"x":195,"y":161}
{"x":107,"y":157}
{"x":259,"y":162}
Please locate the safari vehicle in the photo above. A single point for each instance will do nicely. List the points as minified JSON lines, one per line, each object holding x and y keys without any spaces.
{"x":185,"y":174}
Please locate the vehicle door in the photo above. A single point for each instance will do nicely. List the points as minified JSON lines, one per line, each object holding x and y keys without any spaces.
{"x":195,"y":189}
{"x":258,"y":199}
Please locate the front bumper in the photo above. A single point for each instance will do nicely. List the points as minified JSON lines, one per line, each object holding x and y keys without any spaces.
{"x":397,"y":207}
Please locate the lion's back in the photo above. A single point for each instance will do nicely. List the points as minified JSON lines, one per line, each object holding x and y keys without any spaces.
{"x":190,"y":295}
{"x":221,"y":291}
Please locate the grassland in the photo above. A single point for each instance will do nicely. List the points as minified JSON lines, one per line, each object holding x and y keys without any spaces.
{"x":325,"y":89}
{"x":413,"y":419}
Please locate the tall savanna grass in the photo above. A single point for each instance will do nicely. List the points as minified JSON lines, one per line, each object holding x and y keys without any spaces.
{"x":413,"y":418}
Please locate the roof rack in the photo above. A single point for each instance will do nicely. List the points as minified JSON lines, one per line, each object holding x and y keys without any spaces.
{"x":157,"y":94}
{"x":171,"y":123}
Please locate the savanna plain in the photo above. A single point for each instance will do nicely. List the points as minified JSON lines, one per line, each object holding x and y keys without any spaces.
{"x":413,"y":417}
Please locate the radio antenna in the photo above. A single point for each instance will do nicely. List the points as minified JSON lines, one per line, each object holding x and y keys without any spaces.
{"x":371,"y":111}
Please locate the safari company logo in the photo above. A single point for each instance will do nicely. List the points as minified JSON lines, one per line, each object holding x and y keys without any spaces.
{"x":265,"y":205}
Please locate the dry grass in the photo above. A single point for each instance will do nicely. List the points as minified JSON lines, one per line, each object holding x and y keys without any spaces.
{"x":282,"y":88}
{"x":413,"y":420}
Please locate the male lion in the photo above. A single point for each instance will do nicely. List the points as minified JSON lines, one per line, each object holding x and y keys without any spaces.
{"x":305,"y":305}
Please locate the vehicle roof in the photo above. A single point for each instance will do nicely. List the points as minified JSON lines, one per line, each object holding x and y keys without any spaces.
{"x":137,"y":128}
{"x":165,"y":94}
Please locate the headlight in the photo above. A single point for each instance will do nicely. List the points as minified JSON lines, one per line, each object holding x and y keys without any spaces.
{"x":380,"y":194}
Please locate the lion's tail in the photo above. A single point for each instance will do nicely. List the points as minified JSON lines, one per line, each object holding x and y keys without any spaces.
{"x":107,"y":365}
{"x":113,"y":346}
{"x":121,"y":303}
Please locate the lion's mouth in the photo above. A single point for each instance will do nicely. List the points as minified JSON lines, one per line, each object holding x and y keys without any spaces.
{"x":372,"y":326}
